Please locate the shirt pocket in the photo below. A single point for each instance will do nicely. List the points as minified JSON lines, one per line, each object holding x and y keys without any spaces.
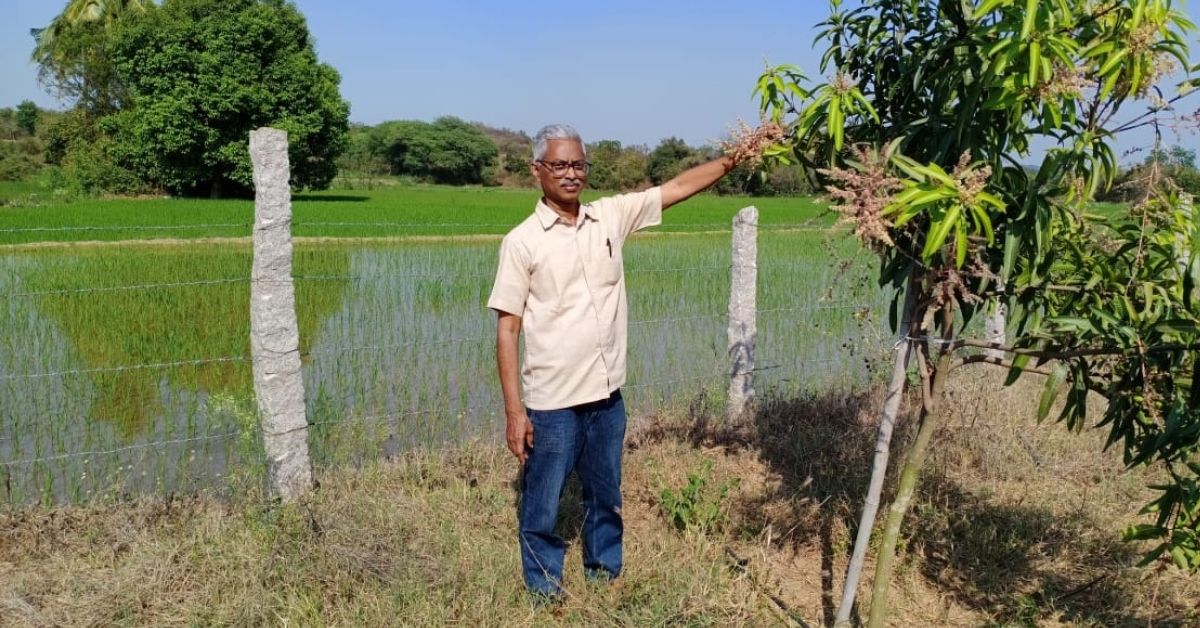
{"x":608,"y":265}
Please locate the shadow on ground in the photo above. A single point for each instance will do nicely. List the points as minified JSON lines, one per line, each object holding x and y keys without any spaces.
{"x":1023,"y":563}
{"x":1020,"y":564}
{"x":820,"y":447}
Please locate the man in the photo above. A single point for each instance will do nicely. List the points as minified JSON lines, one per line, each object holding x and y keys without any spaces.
{"x":561,"y":279}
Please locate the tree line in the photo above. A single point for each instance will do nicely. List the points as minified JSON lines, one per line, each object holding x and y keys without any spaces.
{"x":161,"y":97}
{"x":453,"y":152}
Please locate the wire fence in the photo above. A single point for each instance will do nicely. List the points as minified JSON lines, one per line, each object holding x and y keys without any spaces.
{"x":478,"y":339}
{"x":369,"y":393}
{"x":402,"y":228}
{"x":378,"y":418}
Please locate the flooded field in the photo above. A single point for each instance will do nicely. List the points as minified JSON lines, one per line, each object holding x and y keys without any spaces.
{"x":125,"y":368}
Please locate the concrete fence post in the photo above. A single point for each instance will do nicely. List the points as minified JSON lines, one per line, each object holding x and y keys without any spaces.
{"x":274,"y":333}
{"x":743,"y":324}
{"x":995,"y":328}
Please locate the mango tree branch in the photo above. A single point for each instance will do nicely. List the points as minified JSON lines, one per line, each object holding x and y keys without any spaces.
{"x":1065,"y":354}
{"x":987,"y":359}
{"x":1141,"y":120}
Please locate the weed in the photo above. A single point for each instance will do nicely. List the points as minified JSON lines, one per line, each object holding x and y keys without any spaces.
{"x":697,"y":506}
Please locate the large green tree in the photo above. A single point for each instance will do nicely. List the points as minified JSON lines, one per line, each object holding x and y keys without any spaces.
{"x":72,"y":52}
{"x":447,"y":150}
{"x":922,"y":133}
{"x":667,"y":159}
{"x":27,"y":116}
{"x":617,"y":167}
{"x":201,"y":74}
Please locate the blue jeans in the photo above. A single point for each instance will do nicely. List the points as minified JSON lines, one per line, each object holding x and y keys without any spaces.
{"x":589,"y":439}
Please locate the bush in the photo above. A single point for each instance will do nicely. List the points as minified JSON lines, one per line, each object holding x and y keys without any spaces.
{"x":1188,"y":180}
{"x":88,"y":170}
{"x":19,"y":159}
{"x":73,"y":127}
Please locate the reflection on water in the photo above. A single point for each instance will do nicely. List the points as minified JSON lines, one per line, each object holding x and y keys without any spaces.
{"x":396,"y":342}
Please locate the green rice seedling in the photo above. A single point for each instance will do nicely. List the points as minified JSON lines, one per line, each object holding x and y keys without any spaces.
{"x":140,"y":349}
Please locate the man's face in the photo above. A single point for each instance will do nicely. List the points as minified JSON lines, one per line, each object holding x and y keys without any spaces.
{"x":564,"y":190}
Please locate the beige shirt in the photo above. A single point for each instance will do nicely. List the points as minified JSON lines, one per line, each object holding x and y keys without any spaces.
{"x":568,"y":286}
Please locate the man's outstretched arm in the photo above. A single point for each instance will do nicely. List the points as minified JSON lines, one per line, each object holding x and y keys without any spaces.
{"x":696,"y":179}
{"x":518,"y":431}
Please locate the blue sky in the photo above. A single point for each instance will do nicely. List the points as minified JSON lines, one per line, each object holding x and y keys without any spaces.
{"x":632,"y":71}
{"x":636,"y":72}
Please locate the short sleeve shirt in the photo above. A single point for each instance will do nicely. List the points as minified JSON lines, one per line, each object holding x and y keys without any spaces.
{"x":567,"y":284}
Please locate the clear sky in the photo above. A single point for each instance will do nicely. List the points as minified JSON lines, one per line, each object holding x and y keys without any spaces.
{"x":633,"y":71}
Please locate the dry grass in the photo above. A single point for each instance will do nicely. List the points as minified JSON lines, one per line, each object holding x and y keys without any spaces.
{"x":1018,"y":525}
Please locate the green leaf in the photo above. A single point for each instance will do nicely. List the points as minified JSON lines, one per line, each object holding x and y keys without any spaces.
{"x":862,"y":100}
{"x":1191,"y":279}
{"x":1142,"y":532}
{"x":1071,"y":324}
{"x":1178,"y":327}
{"x":908,"y":166}
{"x":1035,"y":62}
{"x":1180,"y":557}
{"x":1031,"y":7}
{"x":984,"y":223}
{"x":1139,"y":9}
{"x":939,"y":230}
{"x":1098,"y":48}
{"x":960,"y":244}
{"x":1112,"y":62}
{"x":1011,"y":243}
{"x":1018,"y":367}
{"x":987,"y":6}
{"x":1130,"y":310}
{"x":1050,"y":392}
{"x":834,"y":122}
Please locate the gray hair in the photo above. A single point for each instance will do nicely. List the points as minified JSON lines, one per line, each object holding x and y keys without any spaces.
{"x":554,"y":132}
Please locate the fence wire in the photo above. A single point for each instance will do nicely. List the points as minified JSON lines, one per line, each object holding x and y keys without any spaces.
{"x":118,"y":450}
{"x":362,"y":278}
{"x":492,"y":407}
{"x":482,"y":339}
{"x":794,"y":227}
{"x":128,"y":367}
{"x":125,"y":228}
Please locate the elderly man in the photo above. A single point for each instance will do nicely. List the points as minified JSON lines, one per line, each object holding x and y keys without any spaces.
{"x":561,"y":280}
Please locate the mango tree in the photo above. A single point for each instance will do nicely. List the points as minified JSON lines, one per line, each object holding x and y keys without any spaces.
{"x":923,"y":135}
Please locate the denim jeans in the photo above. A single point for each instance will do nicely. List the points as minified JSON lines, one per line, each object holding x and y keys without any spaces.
{"x":589,"y":439}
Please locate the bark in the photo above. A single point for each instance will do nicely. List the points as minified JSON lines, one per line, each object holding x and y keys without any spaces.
{"x":887,"y":423}
{"x":931,"y":414}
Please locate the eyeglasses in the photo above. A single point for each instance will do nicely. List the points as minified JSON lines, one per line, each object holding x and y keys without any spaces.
{"x":559,"y":168}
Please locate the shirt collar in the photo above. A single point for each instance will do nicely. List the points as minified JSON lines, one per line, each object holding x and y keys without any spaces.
{"x":547,"y":216}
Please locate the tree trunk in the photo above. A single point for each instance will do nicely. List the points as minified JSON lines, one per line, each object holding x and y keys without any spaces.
{"x":931,"y":414}
{"x":887,"y":421}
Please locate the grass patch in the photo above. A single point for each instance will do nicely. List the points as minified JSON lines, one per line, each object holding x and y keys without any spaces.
{"x":392,"y":211}
{"x":429,"y":537}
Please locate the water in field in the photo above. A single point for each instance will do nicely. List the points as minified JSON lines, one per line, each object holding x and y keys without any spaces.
{"x":125,"y":369}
